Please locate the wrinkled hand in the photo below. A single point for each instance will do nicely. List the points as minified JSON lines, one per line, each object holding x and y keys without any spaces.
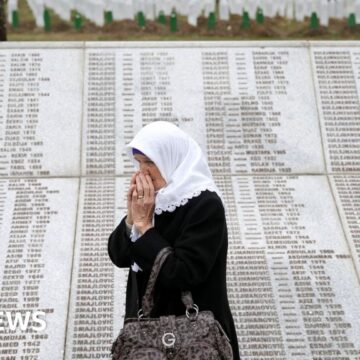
{"x":143,"y":203}
{"x":129,"y":217}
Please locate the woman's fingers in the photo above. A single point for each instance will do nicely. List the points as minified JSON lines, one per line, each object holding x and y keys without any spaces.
{"x":151,"y":187}
{"x":130,"y":191}
{"x":145,"y":185}
{"x":132,"y":185}
{"x":139,"y":186}
{"x":134,"y":196}
{"x":133,"y":178}
{"x":129,"y":204}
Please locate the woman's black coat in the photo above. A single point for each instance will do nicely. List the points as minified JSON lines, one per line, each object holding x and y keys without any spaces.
{"x":197,"y":232}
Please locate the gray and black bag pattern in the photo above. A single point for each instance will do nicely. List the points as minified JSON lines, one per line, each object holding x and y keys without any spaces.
{"x":195,"y":335}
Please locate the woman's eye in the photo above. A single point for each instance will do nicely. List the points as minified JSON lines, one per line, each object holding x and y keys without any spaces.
{"x":147,"y":162}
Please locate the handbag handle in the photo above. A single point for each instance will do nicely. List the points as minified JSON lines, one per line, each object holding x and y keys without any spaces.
{"x":148,"y":298}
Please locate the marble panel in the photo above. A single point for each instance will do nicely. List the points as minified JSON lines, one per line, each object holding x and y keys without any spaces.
{"x":97,"y":303}
{"x":40,"y":112}
{"x":279,"y":123}
{"x":37,"y":227}
{"x":252,"y":110}
{"x":291,"y":276}
{"x":346,"y":189}
{"x":337,"y":81}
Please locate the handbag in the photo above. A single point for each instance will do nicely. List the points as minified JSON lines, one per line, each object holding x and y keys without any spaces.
{"x":195,"y":335}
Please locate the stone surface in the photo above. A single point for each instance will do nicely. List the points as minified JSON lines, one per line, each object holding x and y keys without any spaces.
{"x":97,"y":304}
{"x":337,"y":86}
{"x":346,"y":189}
{"x":279,"y":123}
{"x":262,"y":100}
{"x":40,"y":112}
{"x":37,"y":229}
{"x":285,"y":231}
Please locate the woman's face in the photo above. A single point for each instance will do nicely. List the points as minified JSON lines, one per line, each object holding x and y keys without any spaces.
{"x":147,"y":166}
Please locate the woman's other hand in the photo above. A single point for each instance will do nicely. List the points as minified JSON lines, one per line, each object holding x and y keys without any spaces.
{"x":129,"y":217}
{"x":143,"y":203}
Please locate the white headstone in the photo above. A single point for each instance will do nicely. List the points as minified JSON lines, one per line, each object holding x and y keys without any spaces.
{"x":299,"y":10}
{"x":324,"y":13}
{"x":12,"y":6}
{"x":339,"y":9}
{"x":269,"y":8}
{"x":332,"y":8}
{"x":62,"y":8}
{"x":92,"y":9}
{"x":165,"y":5}
{"x":150,"y":9}
{"x":350,"y":7}
{"x":224,"y":11}
{"x":179,"y":6}
{"x":357,"y":11}
{"x":195,"y":10}
{"x":236,"y":7}
{"x":290,"y":11}
{"x":37,"y":8}
{"x":281,"y":8}
{"x":251,"y":7}
{"x":121,"y":9}
{"x":209,"y":6}
{"x":308,"y":7}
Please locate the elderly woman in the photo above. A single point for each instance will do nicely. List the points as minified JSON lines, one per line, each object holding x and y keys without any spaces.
{"x":173,"y":201}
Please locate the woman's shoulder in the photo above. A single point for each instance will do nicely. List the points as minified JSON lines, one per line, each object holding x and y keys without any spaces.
{"x":206,"y":207}
{"x":206,"y":198}
{"x":203,"y":203}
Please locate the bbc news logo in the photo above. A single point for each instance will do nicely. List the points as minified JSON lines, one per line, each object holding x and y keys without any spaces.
{"x":22,"y":320}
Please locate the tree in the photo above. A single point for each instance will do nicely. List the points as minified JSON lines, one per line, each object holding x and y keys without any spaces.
{"x":2,"y":20}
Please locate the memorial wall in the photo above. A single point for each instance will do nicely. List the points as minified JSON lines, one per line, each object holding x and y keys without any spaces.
{"x":280,"y":125}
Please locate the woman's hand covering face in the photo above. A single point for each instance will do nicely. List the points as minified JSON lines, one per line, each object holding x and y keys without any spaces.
{"x":143,"y":202}
{"x":148,"y":167}
{"x":129,"y":218}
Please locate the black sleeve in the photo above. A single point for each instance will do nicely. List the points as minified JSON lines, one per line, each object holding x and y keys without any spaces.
{"x":195,"y":250}
{"x":119,"y":246}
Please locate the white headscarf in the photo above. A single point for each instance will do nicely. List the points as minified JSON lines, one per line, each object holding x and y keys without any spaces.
{"x":180,"y":161}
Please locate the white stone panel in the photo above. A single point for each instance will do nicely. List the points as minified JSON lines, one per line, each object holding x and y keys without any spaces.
{"x":40,"y":112}
{"x":37,"y":226}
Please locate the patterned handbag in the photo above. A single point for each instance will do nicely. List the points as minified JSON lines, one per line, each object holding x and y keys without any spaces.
{"x":195,"y":335}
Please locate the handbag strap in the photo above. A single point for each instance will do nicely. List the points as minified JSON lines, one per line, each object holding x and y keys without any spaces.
{"x":148,"y":298}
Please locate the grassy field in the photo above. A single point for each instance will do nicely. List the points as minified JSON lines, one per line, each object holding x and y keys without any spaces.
{"x":271,"y":29}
